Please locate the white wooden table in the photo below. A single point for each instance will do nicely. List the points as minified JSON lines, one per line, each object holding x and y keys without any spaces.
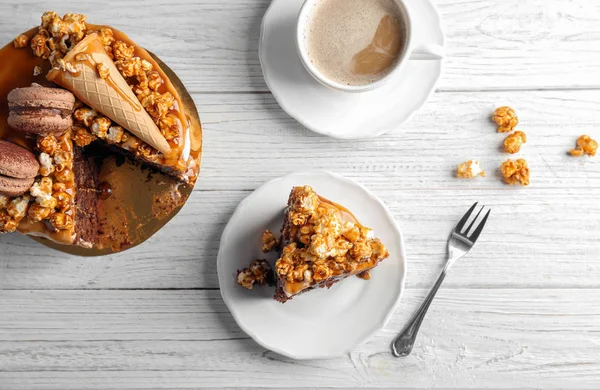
{"x":523,"y":310}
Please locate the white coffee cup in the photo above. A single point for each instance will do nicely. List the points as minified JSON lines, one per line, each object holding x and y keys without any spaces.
{"x":412,"y":50}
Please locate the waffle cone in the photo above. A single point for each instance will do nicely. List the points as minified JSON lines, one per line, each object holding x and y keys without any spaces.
{"x":111,"y":96}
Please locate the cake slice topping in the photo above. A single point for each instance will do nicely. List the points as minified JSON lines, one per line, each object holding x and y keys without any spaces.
{"x":323,"y":242}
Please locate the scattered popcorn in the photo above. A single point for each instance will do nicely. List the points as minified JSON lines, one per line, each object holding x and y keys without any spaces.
{"x":269,"y":241}
{"x":21,"y":41}
{"x":469,"y":170}
{"x":506,"y":119}
{"x":515,"y":172}
{"x":512,"y":143}
{"x":37,"y":71}
{"x":585,"y":145}
{"x":115,"y":134}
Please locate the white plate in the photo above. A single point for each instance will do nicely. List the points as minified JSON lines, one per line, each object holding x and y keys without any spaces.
{"x":342,"y":114}
{"x":321,"y":323}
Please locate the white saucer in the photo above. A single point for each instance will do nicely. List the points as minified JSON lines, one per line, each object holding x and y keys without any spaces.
{"x":321,"y":323}
{"x":341,"y":114}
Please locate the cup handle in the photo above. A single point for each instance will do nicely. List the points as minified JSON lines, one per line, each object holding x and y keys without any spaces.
{"x":428,"y":52}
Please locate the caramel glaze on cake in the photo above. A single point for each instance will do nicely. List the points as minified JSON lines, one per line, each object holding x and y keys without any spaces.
{"x":323,"y":243}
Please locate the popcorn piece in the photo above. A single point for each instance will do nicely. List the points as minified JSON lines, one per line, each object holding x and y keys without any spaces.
{"x":263,"y":273}
{"x":47,"y":144}
{"x":515,"y":172}
{"x":18,"y":207}
{"x":506,"y":119}
{"x":170,"y":127}
{"x":585,"y":145}
{"x":469,"y":170}
{"x":64,"y":176}
{"x":269,"y":241}
{"x":115,"y":134}
{"x":42,"y":187}
{"x":154,"y":80}
{"x":103,"y":70}
{"x":21,"y":41}
{"x":100,"y":127}
{"x":37,"y":70}
{"x":512,"y":143}
{"x":63,"y":201}
{"x":246,"y":279}
{"x":38,"y":213}
{"x":66,"y":66}
{"x":39,"y":44}
{"x":46,"y":167}
{"x":7,"y":224}
{"x":122,"y":51}
{"x":320,"y":272}
{"x":3,"y":201}
{"x":85,"y":115}
{"x":106,"y":36}
{"x":60,"y":221}
{"x":81,"y":137}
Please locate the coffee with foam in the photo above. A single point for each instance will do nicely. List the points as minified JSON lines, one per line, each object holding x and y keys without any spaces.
{"x":355,"y":42}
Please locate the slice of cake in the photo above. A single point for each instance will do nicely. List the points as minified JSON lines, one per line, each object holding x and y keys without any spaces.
{"x":322,"y":243}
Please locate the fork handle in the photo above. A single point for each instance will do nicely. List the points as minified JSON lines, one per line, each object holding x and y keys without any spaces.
{"x":403,"y":344}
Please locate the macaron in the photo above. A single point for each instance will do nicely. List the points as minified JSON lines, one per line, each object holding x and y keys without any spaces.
{"x":38,"y":110}
{"x":18,"y":169}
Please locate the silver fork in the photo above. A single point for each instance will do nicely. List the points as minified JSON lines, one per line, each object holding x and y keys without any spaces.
{"x":459,"y":244}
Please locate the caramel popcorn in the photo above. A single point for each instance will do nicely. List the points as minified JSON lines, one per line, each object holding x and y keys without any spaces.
{"x":512,"y":143}
{"x":169,"y":127}
{"x":469,"y":170}
{"x":46,"y":166}
{"x":7,"y":224}
{"x":64,"y":176}
{"x":61,"y":221}
{"x":154,"y":80}
{"x":47,"y":144}
{"x":585,"y":145}
{"x":37,"y":71}
{"x":129,"y":67}
{"x":115,"y":134}
{"x":122,"y":51}
{"x":269,"y":241}
{"x":515,"y":172}
{"x":246,"y":279}
{"x":506,"y":119}
{"x":65,"y":66}
{"x":106,"y":36}
{"x":38,"y":213}
{"x":148,"y":152}
{"x":82,"y":137}
{"x":63,"y":201}
{"x":259,"y":272}
{"x":17,"y":208}
{"x":158,"y":105}
{"x":321,"y":243}
{"x":21,"y":41}
{"x":62,"y":160}
{"x":39,"y":44}
{"x":3,"y":201}
{"x":100,"y":127}
{"x":103,"y":70}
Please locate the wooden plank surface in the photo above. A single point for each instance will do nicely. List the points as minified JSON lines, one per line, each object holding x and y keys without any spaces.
{"x":166,"y":339}
{"x":211,"y":44}
{"x":521,"y":311}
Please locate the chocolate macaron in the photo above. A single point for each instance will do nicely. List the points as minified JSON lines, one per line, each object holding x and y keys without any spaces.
{"x":38,"y":110}
{"x":18,"y":169}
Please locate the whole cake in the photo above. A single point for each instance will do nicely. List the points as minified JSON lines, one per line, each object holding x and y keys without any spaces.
{"x":96,"y":94}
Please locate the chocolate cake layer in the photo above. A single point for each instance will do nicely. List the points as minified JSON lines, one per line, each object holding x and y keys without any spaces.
{"x":86,"y":198}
